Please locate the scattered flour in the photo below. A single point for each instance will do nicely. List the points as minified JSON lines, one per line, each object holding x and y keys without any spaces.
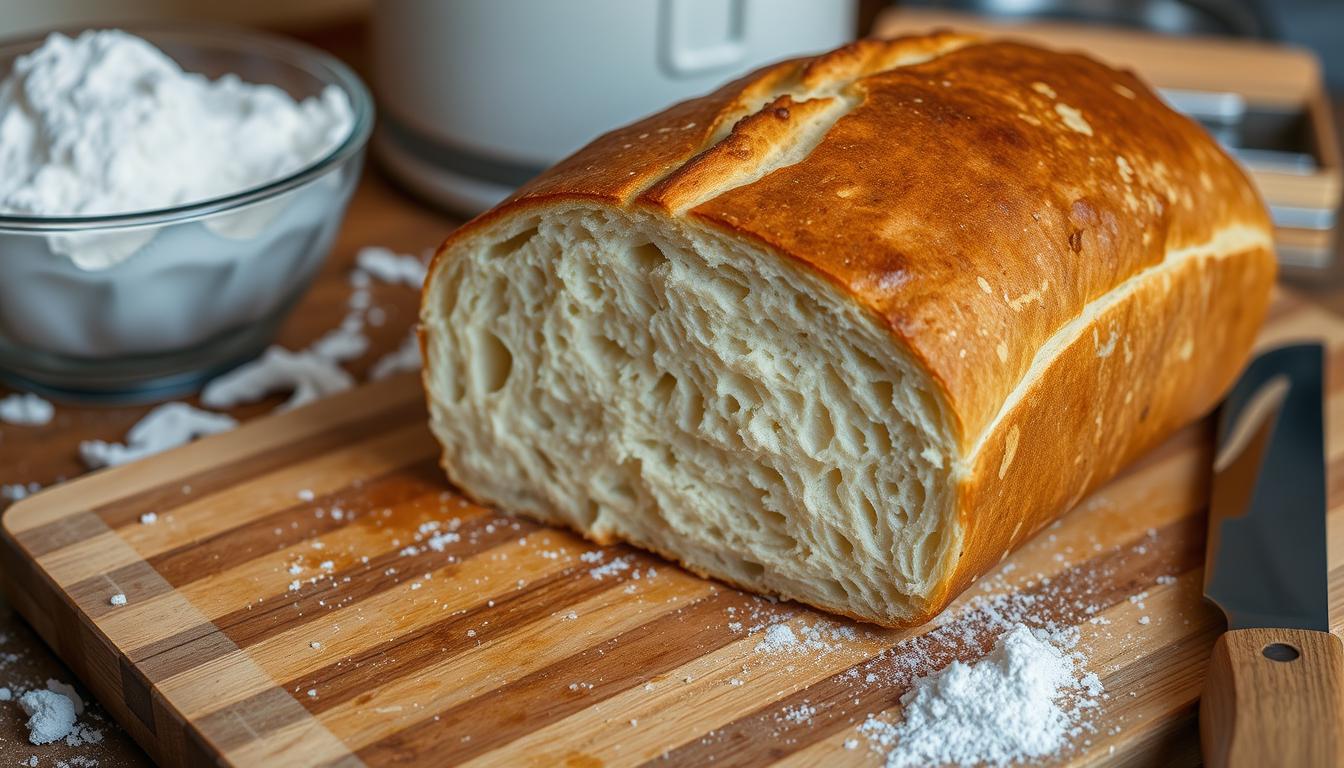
{"x":1017,"y":704}
{"x":167,"y":426}
{"x":149,"y":518}
{"x":801,"y":713}
{"x":17,"y":491}
{"x":343,"y":343}
{"x":306,"y":374}
{"x":402,"y":359}
{"x":778,"y":637}
{"x":316,"y":372}
{"x":391,"y":267}
{"x":440,"y":541}
{"x":610,"y":569}
{"x":118,"y":599}
{"x":820,"y":638}
{"x":26,"y":410}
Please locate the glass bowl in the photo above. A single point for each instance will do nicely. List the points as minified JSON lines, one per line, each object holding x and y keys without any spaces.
{"x":208,"y":283}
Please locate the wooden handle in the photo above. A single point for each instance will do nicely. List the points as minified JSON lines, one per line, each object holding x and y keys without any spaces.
{"x":1274,"y":697}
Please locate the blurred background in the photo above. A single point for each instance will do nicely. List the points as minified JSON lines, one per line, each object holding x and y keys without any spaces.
{"x":476,"y":97}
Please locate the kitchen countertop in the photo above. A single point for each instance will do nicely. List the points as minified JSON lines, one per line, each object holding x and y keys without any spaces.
{"x":380,"y":214}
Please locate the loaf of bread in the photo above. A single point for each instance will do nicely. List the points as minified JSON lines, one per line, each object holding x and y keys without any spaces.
{"x":852,"y":328}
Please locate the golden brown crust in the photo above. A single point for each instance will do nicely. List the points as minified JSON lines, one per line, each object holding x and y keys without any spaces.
{"x":977,"y":198}
{"x":1146,"y":367}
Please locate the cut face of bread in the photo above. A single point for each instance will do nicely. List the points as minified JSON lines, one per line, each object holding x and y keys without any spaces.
{"x":699,"y":397}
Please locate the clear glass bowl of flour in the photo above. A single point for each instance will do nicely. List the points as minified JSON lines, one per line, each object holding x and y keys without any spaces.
{"x":177,"y":295}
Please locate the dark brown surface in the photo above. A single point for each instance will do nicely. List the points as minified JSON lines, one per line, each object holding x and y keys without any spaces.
{"x":380,"y":214}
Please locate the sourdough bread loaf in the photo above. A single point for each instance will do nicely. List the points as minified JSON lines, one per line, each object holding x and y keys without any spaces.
{"x":854,"y":327}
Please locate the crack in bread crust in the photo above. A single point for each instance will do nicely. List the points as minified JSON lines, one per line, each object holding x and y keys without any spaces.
{"x":784,"y":113}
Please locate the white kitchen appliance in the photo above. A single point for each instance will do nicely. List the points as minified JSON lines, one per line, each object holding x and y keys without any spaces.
{"x":478,"y":96}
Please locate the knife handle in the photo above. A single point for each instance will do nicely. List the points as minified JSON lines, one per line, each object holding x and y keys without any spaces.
{"x":1273,"y":697}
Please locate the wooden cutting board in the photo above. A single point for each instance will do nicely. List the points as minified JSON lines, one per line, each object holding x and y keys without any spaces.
{"x":420,"y":629}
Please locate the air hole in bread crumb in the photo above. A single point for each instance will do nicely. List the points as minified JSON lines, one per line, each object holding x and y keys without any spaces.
{"x":648,"y":256}
{"x":775,"y":520}
{"x":843,"y":545}
{"x":695,"y":411}
{"x":665,"y":388}
{"x":729,"y":291}
{"x":835,"y":590}
{"x":834,"y":479}
{"x":609,"y":349}
{"x":869,"y":512}
{"x":514,"y":243}
{"x":885,"y":392}
{"x":494,"y":363}
{"x":546,"y":463}
{"x":819,"y":431}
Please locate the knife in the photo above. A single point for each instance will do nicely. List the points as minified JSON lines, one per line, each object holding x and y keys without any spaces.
{"x":1274,"y":691}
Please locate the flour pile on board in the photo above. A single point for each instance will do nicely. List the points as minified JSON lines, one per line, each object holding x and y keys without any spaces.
{"x":26,"y":410}
{"x":1018,"y":703}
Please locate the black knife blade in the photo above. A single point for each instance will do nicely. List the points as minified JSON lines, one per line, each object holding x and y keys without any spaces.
{"x":1265,"y":560}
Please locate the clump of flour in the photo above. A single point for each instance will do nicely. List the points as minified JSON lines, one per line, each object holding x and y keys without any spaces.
{"x":51,"y":715}
{"x":27,"y":410}
{"x":166,"y":426}
{"x":1019,"y":703}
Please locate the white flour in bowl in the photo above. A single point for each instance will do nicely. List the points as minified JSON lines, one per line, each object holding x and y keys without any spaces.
{"x":106,"y":123}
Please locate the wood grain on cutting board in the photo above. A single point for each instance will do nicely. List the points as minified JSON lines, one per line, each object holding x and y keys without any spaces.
{"x":413,"y":639}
